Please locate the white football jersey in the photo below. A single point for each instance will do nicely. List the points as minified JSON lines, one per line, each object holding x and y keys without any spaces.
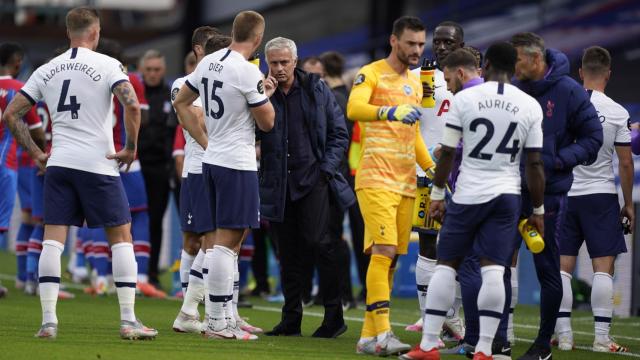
{"x":193,"y":152}
{"x":496,"y":121}
{"x":433,"y":119}
{"x":228,"y":86}
{"x":76,"y":86}
{"x":598,"y":177}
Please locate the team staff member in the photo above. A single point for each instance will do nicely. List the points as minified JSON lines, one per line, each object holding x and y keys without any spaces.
{"x":156,"y":144}
{"x":384,"y":100}
{"x":300,"y":163}
{"x":572,"y":136}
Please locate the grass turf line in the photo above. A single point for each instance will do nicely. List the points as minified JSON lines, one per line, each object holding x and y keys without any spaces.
{"x":89,"y":330}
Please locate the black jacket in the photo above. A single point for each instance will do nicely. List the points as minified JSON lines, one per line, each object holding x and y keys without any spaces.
{"x":155,"y":141}
{"x":328,"y":138}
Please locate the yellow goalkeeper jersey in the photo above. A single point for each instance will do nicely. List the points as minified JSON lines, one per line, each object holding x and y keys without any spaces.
{"x":389,"y":148}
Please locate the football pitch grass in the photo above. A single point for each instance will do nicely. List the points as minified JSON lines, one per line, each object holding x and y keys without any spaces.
{"x":89,"y":330}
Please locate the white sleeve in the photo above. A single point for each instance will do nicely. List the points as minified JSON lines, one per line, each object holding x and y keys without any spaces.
{"x":193,"y":80}
{"x":175,"y":87}
{"x":116,"y":74}
{"x":252,"y":86}
{"x":453,"y":124}
{"x":31,"y":90}
{"x":623,"y":135}
{"x":534,"y":135}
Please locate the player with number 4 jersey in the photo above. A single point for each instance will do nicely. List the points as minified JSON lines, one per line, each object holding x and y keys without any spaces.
{"x":82,"y":179}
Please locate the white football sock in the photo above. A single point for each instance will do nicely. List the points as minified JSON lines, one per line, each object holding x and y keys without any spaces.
{"x":220,"y":283}
{"x":514,"y":301}
{"x":186,"y":261}
{"x":195,"y":290}
{"x":602,"y":304}
{"x":457,"y":303}
{"x":424,"y":271}
{"x":440,"y":297}
{"x":563,"y":323}
{"x":125,"y":271}
{"x":49,"y":277}
{"x":236,"y":290}
{"x":491,"y":300}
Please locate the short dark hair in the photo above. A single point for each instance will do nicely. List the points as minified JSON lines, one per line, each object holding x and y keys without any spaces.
{"x":502,"y":56}
{"x":407,"y":22}
{"x":529,"y":42}
{"x":110,"y":47}
{"x":596,"y":60}
{"x":81,"y":18}
{"x":245,"y":25}
{"x":476,"y":52}
{"x":311,"y":60}
{"x":216,"y":43}
{"x":333,"y":63}
{"x":202,"y":34}
{"x":8,"y":51}
{"x":460,"y":58}
{"x":454,"y":25}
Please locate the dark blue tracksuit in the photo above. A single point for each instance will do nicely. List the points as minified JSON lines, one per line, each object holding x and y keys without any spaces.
{"x":572,"y":136}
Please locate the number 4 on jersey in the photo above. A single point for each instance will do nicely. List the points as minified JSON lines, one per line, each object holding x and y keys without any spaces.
{"x":73,"y":105}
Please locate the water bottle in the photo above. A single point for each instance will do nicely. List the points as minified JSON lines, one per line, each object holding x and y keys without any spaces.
{"x":427,"y":76}
{"x":534,"y":241}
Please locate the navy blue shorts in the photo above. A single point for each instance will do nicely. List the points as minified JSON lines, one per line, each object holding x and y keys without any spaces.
{"x":37,"y":196}
{"x":594,"y":219}
{"x":72,"y":196}
{"x":195,"y":213}
{"x":233,"y":197}
{"x":133,"y":183}
{"x":489,"y":229}
{"x":9,"y":186}
{"x":25,"y":173}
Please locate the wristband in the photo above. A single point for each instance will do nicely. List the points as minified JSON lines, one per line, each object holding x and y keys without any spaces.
{"x":538,"y":210}
{"x":437,"y":193}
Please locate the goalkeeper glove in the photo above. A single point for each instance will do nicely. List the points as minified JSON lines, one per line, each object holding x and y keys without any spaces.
{"x":408,"y":114}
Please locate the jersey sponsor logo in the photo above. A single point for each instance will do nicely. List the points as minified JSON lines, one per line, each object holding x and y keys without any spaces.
{"x":407,"y":89}
{"x":359,"y":79}
{"x":174,"y":93}
{"x":261,"y":87}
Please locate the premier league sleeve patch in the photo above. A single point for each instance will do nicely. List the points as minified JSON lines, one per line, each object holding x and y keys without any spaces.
{"x":174,"y":93}
{"x":260,"y":87}
{"x":359,"y":79}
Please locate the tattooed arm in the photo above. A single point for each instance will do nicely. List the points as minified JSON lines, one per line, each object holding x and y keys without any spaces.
{"x":13,"y":118}
{"x":127,"y":96}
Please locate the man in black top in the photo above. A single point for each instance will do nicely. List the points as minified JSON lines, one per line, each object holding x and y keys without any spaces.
{"x":155,"y":148}
{"x":299,"y":169}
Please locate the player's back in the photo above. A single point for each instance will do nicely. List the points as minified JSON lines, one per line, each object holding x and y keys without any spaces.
{"x":228,"y":86}
{"x":497,"y":121}
{"x":76,"y":86}
{"x":598,"y":178}
{"x":193,"y":152}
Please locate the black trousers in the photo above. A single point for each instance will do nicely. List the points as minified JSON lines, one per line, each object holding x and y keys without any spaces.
{"x":156,"y":180}
{"x":302,"y":239}
{"x":259,"y":262}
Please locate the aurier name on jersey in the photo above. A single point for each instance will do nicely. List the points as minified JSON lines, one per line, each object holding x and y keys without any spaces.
{"x":496,"y":121}
{"x":228,"y":86}
{"x":598,"y":178}
{"x":193,"y":152}
{"x":77,"y":88}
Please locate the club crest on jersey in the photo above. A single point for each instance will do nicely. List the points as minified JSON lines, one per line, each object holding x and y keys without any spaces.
{"x":550,"y":106}
{"x":260,"y":87}
{"x":406,"y":89}
{"x":174,"y":93}
{"x":359,"y":79}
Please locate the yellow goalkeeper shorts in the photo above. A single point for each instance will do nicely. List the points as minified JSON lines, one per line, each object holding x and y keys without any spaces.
{"x":387,"y":218}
